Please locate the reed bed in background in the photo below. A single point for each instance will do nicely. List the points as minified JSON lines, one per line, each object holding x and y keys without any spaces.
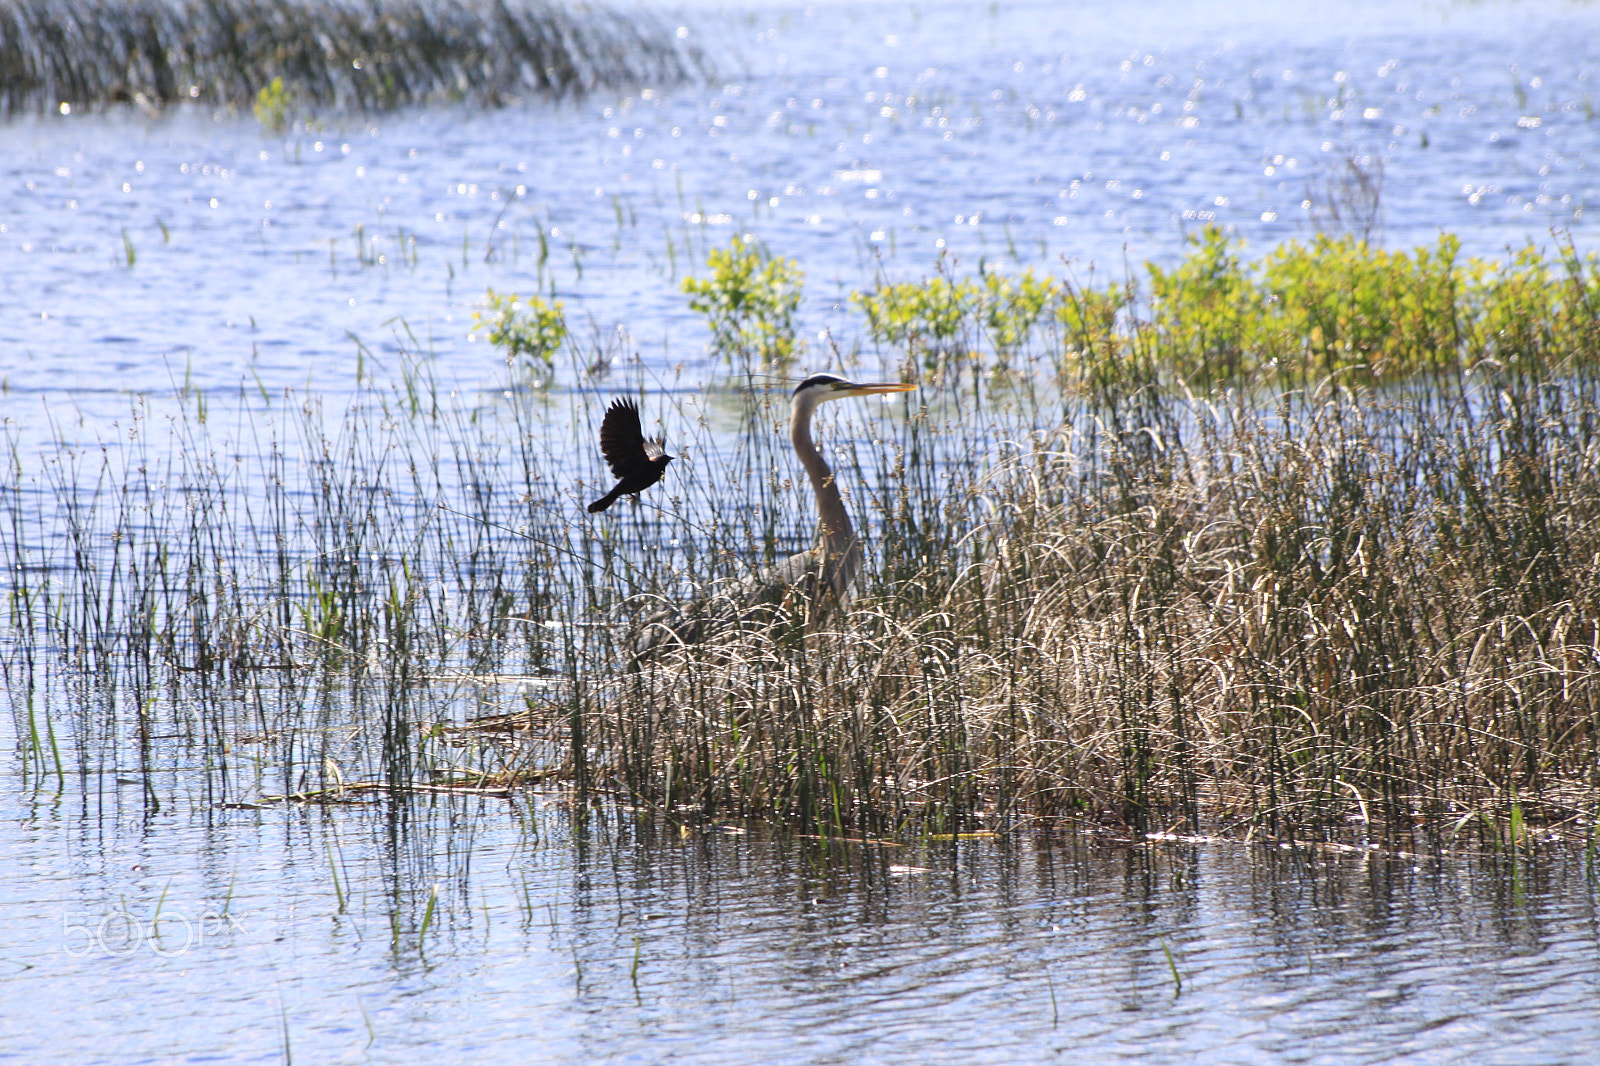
{"x":318,"y":54}
{"x":1334,"y":608}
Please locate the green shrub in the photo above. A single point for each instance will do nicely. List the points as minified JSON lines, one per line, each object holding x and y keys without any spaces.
{"x":1091,"y":333}
{"x":530,"y":330}
{"x":926,"y":320}
{"x":749,"y":300}
{"x":272,"y":106}
{"x":1011,"y":306}
{"x":1340,"y":306}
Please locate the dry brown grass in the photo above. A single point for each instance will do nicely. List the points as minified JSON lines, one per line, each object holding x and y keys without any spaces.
{"x":1344,"y":611}
{"x":1334,"y":613}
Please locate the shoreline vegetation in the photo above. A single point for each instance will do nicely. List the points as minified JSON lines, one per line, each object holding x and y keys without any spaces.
{"x":1305,"y":547}
{"x":289,"y":56}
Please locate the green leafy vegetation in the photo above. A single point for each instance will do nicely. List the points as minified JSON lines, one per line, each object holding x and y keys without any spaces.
{"x":928,"y":321}
{"x":273,"y":106}
{"x":750,"y":299}
{"x":1333,"y":307}
{"x":528,"y":330}
{"x":1011,"y":306}
{"x":937,"y":323}
{"x":1337,"y":305}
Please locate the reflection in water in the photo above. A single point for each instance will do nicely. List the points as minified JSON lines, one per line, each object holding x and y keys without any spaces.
{"x":510,"y":931}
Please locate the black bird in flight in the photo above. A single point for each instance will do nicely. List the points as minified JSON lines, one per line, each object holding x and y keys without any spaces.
{"x":636,"y":462}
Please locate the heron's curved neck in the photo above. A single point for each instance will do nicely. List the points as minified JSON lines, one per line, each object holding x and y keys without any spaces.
{"x":837,"y":533}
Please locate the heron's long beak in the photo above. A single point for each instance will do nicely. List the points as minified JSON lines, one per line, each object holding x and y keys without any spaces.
{"x":870,"y":388}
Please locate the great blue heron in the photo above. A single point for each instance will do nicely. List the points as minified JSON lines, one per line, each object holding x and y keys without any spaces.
{"x":827,"y":570}
{"x":637,"y":463}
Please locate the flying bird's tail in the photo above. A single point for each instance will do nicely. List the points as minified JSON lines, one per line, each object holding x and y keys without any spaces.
{"x":605,"y":501}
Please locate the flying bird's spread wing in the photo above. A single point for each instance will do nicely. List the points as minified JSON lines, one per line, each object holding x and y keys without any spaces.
{"x":622,"y":439}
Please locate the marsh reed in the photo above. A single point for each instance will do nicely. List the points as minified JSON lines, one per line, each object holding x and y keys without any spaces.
{"x":1343,"y":612}
{"x":1327,"y":609}
{"x":327,"y":54}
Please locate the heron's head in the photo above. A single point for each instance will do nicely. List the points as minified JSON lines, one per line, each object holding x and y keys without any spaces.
{"x":818,"y":387}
